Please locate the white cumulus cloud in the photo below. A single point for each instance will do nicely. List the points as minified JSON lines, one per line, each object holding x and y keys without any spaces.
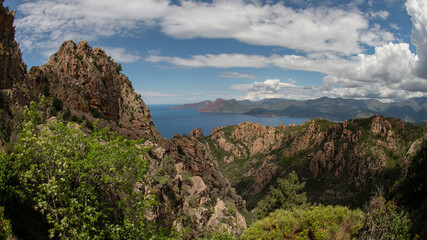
{"x":325,"y":63}
{"x":274,"y":88}
{"x":313,"y":29}
{"x":238,"y":75}
{"x":380,"y":14}
{"x":215,"y":61}
{"x":389,"y":73}
{"x":417,"y":9}
{"x":120,"y":55}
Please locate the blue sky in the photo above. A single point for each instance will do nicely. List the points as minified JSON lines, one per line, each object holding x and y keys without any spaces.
{"x":187,"y":51}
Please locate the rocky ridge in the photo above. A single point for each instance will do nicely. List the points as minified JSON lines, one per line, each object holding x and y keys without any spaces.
{"x":90,"y":84}
{"x":14,"y":88}
{"x":190,"y":191}
{"x":336,"y":109}
{"x":193,"y":106}
{"x":341,"y":162}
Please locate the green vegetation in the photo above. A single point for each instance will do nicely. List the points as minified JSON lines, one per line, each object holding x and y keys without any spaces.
{"x":57,"y":104}
{"x":83,"y":187}
{"x":385,"y":221}
{"x":411,"y":191}
{"x":5,"y":227}
{"x":290,"y":217}
{"x":286,"y":196}
{"x":315,"y":222}
{"x":97,"y":114}
{"x":56,"y":182}
{"x":119,"y":68}
{"x":220,"y":234}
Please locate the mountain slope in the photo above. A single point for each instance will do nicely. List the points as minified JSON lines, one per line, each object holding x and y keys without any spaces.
{"x":14,"y":87}
{"x":342,"y":163}
{"x":190,"y":191}
{"x":90,"y":84}
{"x":83,"y":85}
{"x":335,"y":109}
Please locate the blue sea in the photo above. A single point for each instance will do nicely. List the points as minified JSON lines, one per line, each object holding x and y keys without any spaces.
{"x":172,"y":121}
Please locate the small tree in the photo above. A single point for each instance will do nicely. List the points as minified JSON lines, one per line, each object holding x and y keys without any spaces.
{"x":286,"y":196}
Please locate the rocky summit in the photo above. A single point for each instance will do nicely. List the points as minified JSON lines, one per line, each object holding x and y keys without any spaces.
{"x":15,"y":91}
{"x":340,"y":162}
{"x":90,"y":84}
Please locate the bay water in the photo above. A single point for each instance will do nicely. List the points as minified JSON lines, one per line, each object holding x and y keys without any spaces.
{"x":181,"y":121}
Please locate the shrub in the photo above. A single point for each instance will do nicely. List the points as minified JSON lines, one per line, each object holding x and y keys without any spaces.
{"x":220,"y":234}
{"x":57,"y":104}
{"x":85,"y":186}
{"x":285,"y":196}
{"x":5,"y":227}
{"x":316,"y":222}
{"x":118,"y":68}
{"x":385,"y":221}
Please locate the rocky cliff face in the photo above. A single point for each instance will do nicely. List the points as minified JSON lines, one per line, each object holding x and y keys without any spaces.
{"x":213,"y":106}
{"x":190,"y":191}
{"x":341,"y":162}
{"x":12,"y":69}
{"x":89,"y":83}
{"x":14,"y":88}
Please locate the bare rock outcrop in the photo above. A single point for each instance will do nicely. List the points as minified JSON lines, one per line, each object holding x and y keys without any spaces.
{"x":214,"y":106}
{"x":90,"y":83}
{"x":196,"y":133}
{"x":208,"y":188}
{"x":12,"y":68}
{"x":15,"y":91}
{"x":353,"y":153}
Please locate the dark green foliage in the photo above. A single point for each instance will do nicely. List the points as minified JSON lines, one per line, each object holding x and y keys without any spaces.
{"x":97,"y":114}
{"x":412,"y":190}
{"x":26,"y":222}
{"x":218,"y":235}
{"x":4,"y":104}
{"x":74,"y":118}
{"x":316,"y":222}
{"x":5,"y":227}
{"x":286,"y":196}
{"x":46,"y":90}
{"x":168,"y":165}
{"x":57,"y":104}
{"x":67,"y":114}
{"x":385,"y":221}
{"x":82,"y":187}
{"x":180,"y":151}
{"x":119,"y":68}
{"x":5,"y":115}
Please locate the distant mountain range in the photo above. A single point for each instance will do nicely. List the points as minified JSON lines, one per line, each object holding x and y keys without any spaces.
{"x":336,"y":109}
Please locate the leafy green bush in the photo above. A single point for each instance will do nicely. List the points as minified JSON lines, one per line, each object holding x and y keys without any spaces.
{"x":385,"y":221}
{"x":85,"y":186}
{"x":330,"y":222}
{"x":5,"y":227}
{"x":57,"y":104}
{"x":221,"y":234}
{"x":316,"y":222}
